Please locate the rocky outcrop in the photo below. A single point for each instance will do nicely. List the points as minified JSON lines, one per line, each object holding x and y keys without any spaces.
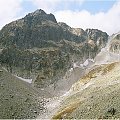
{"x":38,"y":47}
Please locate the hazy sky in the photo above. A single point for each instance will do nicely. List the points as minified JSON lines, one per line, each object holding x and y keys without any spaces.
{"x":100,"y":14}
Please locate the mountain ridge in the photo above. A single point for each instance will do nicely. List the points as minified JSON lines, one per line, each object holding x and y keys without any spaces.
{"x":46,"y":49}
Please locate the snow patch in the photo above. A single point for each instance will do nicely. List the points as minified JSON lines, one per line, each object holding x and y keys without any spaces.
{"x":75,"y":65}
{"x":23,"y":79}
{"x":4,"y":69}
{"x":87,"y":62}
{"x":71,"y":69}
{"x":66,"y":94}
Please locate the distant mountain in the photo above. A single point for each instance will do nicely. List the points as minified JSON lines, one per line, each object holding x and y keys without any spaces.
{"x":38,"y":47}
{"x":111,"y":53}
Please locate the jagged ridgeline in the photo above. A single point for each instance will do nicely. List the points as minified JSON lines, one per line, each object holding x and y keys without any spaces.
{"x":39,"y":47}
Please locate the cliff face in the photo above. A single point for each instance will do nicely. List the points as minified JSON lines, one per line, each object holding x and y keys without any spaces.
{"x":38,"y":47}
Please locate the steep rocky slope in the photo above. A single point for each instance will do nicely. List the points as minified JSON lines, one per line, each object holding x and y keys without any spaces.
{"x":96,"y":94}
{"x":18,"y":99}
{"x":39,"y":48}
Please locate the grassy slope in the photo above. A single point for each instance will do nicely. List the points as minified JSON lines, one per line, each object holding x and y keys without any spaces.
{"x":17,"y":98}
{"x":100,"y":99}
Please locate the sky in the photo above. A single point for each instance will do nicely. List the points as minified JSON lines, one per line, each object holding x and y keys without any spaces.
{"x":97,"y":14}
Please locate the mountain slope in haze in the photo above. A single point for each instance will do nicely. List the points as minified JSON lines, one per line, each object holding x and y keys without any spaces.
{"x":96,"y":94}
{"x":39,"y":48}
{"x":111,"y":53}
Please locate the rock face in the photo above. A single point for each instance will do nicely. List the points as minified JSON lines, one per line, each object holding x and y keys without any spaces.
{"x":38,"y":47}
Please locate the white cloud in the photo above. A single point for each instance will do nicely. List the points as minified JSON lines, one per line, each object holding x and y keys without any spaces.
{"x":9,"y":10}
{"x":52,"y":5}
{"x":46,"y":5}
{"x":107,"y":21}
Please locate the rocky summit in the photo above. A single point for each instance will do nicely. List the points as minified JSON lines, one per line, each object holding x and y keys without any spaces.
{"x":60,"y":64}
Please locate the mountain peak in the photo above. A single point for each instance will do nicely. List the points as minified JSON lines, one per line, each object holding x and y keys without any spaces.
{"x":41,"y":15}
{"x":38,"y":12}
